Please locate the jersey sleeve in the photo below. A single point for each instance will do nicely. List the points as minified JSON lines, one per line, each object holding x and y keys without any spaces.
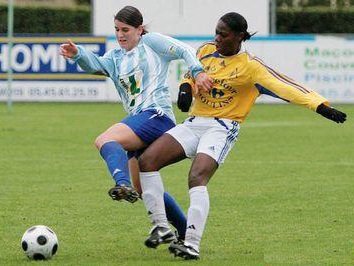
{"x":188,"y":78}
{"x":270,"y":82}
{"x":172,"y":49}
{"x":94,"y":64}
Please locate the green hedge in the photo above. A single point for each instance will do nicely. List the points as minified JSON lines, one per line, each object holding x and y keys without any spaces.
{"x":47,"y":20}
{"x":315,"y":21}
{"x":312,"y":3}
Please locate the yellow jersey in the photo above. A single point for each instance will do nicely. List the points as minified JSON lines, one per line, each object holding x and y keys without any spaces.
{"x":238,"y":81}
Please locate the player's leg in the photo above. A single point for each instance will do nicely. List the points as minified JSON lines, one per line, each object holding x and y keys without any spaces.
{"x":212,"y":150}
{"x":202,"y":169}
{"x":112,"y":145}
{"x":155,"y":126}
{"x":134,"y":173}
{"x":164,"y":151}
{"x":135,"y":132}
{"x":131,"y":134}
{"x":174,"y":213}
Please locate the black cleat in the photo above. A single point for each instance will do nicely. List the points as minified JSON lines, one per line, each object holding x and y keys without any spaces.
{"x":178,"y":241}
{"x":121,"y":192}
{"x":181,"y":250}
{"x":159,"y":235}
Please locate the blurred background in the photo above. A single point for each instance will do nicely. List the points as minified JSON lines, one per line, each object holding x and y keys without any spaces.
{"x":309,"y":40}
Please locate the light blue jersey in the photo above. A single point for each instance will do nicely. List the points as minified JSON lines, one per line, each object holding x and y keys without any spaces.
{"x":140,"y":75}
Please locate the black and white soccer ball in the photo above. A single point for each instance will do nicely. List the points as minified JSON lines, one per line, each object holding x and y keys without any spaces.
{"x":39,"y":242}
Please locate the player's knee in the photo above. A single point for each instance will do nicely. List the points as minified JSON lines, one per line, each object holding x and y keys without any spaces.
{"x":99,"y":141}
{"x":148,"y":163}
{"x":196,"y":178}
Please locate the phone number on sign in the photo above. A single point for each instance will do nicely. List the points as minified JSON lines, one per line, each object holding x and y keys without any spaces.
{"x":63,"y":92}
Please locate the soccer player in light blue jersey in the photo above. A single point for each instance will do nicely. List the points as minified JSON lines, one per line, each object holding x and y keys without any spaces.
{"x":139,"y":69}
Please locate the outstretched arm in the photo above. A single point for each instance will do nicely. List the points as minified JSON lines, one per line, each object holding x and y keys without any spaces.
{"x":269,"y":81}
{"x":331,"y":113}
{"x":87,"y":60}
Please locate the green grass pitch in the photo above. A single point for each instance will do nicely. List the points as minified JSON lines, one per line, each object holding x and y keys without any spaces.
{"x":285,"y":194}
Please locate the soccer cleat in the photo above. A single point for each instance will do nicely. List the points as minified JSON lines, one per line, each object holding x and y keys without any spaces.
{"x":181,"y":250}
{"x":177,"y":241}
{"x":121,"y":192}
{"x":159,"y":235}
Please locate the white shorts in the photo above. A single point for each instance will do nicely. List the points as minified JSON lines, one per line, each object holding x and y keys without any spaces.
{"x":212,"y":136}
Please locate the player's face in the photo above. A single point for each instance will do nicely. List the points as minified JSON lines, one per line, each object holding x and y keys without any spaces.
{"x":227,"y":42}
{"x":127,"y":36}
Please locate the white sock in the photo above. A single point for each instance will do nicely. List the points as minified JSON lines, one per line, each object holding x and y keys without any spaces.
{"x":197,"y":216}
{"x":152,"y":187}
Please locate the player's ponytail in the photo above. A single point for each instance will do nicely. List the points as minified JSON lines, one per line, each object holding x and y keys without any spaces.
{"x":248,"y":35}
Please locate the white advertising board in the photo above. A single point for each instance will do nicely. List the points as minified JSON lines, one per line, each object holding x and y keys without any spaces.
{"x":324,"y":63}
{"x":40,"y":73}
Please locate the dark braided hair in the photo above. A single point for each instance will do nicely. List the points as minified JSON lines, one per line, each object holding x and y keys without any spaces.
{"x":131,"y":16}
{"x":237,"y":23}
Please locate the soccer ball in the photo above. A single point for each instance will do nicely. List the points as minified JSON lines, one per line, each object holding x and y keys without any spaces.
{"x":39,"y":242}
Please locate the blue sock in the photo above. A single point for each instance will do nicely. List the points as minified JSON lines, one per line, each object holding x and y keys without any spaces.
{"x":117,"y":162}
{"x":175,"y":215}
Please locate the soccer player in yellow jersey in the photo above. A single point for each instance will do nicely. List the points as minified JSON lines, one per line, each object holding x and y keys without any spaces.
{"x":213,"y":126}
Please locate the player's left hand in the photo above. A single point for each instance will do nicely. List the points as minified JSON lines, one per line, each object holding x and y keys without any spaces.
{"x":331,"y":113}
{"x":202,"y":82}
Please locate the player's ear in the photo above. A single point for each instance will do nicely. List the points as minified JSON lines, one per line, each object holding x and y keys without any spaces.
{"x":141,"y":29}
{"x":240,"y":36}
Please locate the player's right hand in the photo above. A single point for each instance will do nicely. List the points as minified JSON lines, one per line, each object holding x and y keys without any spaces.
{"x":331,"y":113}
{"x":69,"y":49}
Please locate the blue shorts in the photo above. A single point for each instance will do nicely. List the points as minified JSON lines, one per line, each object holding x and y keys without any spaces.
{"x":148,"y":125}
